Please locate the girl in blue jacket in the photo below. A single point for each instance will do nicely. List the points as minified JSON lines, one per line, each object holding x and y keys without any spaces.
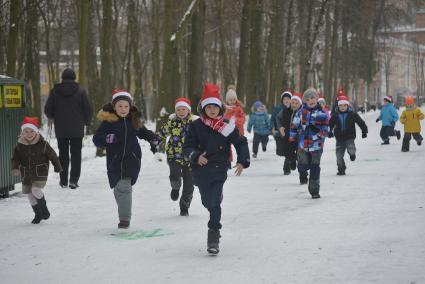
{"x":207,"y":147}
{"x":389,"y":117}
{"x":118,"y":133}
{"x":259,"y":120}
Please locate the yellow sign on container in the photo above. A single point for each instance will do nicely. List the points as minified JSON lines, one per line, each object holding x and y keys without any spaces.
{"x":12,"y":96}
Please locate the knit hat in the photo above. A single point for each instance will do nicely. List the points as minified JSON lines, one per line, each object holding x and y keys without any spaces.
{"x":118,"y":95}
{"x":30,"y":122}
{"x":211,"y":95}
{"x":184,"y":102}
{"x":297,"y":97}
{"x":388,"y":99}
{"x":409,"y":101}
{"x":343,"y":100}
{"x":286,"y":93}
{"x":231,"y":93}
{"x":310,"y":94}
{"x":321,"y":99}
{"x":68,"y":74}
{"x":256,"y":105}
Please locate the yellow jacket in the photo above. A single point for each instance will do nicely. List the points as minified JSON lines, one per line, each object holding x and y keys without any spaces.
{"x":411,"y":120}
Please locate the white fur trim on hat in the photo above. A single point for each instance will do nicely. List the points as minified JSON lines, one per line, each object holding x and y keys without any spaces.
{"x":29,"y":125}
{"x":343,"y":102}
{"x":321,"y":100}
{"x":297,"y":98}
{"x":209,"y":101}
{"x":122,"y":94}
{"x":388,"y":99}
{"x":183,"y":104}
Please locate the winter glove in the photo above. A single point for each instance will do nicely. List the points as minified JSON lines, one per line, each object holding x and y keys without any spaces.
{"x":377,"y":120}
{"x":314,"y":128}
{"x":330,"y":134}
{"x":364,"y":135}
{"x":57,"y":168}
{"x":111,"y":138}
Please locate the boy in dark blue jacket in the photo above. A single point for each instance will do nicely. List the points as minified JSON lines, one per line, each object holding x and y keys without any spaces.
{"x":343,"y":124}
{"x":284,"y":103}
{"x":207,"y":146}
{"x":120,"y":128}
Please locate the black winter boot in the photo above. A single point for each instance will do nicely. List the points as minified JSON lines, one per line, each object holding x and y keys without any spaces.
{"x":123,"y":224}
{"x":44,"y":210}
{"x":341,"y":172}
{"x":303,"y":178}
{"x":184,"y":211}
{"x":38,"y":214}
{"x":174,"y":194}
{"x":213,"y":241}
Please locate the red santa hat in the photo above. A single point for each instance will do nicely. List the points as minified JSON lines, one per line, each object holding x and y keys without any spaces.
{"x":184,"y":102}
{"x":341,"y":92}
{"x":343,"y":100}
{"x":211,"y":95}
{"x":121,"y":95}
{"x":297,"y":97}
{"x":30,"y":122}
{"x":389,"y":99}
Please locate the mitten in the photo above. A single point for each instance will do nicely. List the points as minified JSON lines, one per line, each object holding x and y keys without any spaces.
{"x":111,"y":138}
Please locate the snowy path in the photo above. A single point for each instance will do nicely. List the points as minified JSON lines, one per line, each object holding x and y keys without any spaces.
{"x":368,"y":227}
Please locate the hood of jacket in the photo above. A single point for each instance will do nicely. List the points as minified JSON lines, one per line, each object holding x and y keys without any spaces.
{"x":66,"y":88}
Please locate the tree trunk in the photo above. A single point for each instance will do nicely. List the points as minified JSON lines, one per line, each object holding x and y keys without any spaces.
{"x":106,"y":49}
{"x":196,"y":55}
{"x":83,"y":25}
{"x":243,"y":66}
{"x":12,"y":43}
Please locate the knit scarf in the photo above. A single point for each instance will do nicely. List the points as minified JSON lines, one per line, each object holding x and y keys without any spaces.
{"x":219,"y":125}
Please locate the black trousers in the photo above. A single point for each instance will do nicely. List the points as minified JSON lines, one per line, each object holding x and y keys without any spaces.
{"x":177,"y":173}
{"x":263,"y":139}
{"x":386,"y":132}
{"x":408,"y":136}
{"x":67,"y":146}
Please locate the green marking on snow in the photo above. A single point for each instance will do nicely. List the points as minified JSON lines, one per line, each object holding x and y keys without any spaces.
{"x":138,"y":235}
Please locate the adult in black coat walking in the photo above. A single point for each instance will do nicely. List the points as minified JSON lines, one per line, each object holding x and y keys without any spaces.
{"x":69,"y":109}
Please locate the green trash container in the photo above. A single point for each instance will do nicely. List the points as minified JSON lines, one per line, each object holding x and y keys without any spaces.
{"x":12,"y":112}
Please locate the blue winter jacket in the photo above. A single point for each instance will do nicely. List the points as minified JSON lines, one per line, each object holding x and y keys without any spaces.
{"x":309,"y":128}
{"x":277,"y":109}
{"x":123,"y":156}
{"x":261,"y":123}
{"x":388,"y":115}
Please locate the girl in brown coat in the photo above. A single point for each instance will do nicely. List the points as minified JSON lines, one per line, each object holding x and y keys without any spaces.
{"x":31,"y":161}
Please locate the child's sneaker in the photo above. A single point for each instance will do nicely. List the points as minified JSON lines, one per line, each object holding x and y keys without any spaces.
{"x":174,"y":194}
{"x":419,"y":142}
{"x":353,"y":157}
{"x":398,"y":134}
{"x":385,"y":142}
{"x":123,"y":224}
{"x":254,"y":155}
{"x":315,"y":196}
{"x":340,"y":172}
{"x":303,"y":179}
{"x":62,"y":185}
{"x":404,"y":150}
{"x":264,"y":149}
{"x":286,"y":172}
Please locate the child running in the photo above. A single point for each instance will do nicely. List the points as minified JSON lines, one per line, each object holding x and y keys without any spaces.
{"x":121,"y":126}
{"x":176,"y":129}
{"x":259,"y":120}
{"x":343,"y":124}
{"x":207,"y":147}
{"x":411,"y":118}
{"x":31,"y":161}
{"x":389,"y":117}
{"x":309,"y":129}
{"x":284,"y":120}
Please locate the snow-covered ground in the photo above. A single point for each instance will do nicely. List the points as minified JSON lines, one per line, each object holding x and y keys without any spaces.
{"x":368,"y":227}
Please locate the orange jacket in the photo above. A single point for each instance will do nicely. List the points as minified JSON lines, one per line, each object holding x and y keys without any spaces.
{"x":236,"y":112}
